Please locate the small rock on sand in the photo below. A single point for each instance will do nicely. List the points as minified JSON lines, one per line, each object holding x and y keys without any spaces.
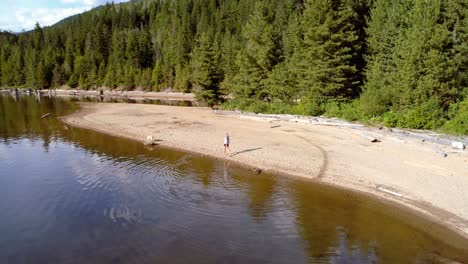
{"x":257,"y":170}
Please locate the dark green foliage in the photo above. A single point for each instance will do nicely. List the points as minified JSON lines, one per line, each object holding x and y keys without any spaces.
{"x":256,"y":106}
{"x":282,"y":84}
{"x":327,"y":56}
{"x":206,"y":74}
{"x":348,"y":110}
{"x":258,"y":57}
{"x":458,"y":123}
{"x":417,"y":61}
{"x":428,"y":115}
{"x":385,"y":25}
{"x":400,"y":63}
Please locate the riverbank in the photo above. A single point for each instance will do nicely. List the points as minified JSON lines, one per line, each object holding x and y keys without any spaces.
{"x":404,"y":170}
{"x":133,"y":95}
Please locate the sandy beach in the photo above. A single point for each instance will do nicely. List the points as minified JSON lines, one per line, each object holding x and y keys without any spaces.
{"x":402,"y":170}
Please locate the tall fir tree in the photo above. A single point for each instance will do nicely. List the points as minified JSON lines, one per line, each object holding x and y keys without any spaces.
{"x":206,"y":74}
{"x":325,"y":61}
{"x":258,"y":57}
{"x":387,"y":18}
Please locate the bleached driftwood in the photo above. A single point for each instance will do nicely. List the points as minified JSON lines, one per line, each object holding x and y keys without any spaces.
{"x":150,"y":141}
{"x":439,"y":151}
{"x":319,"y":123}
{"x":458,"y":145}
{"x":403,"y":135}
{"x":387,"y":190}
{"x":397,"y":140}
{"x":367,"y":137}
{"x":46,"y":115}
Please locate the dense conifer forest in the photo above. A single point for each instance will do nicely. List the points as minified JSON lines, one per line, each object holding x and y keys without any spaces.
{"x":396,"y":62}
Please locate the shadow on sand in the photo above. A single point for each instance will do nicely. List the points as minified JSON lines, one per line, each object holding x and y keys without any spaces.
{"x":244,"y":151}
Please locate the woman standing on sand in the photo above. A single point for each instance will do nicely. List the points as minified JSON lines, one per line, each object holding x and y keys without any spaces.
{"x":226,"y":144}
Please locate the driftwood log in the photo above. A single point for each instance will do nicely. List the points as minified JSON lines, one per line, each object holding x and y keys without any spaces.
{"x":458,"y":145}
{"x":367,"y":137}
{"x":46,"y":115}
{"x":150,"y":141}
{"x":439,"y":151}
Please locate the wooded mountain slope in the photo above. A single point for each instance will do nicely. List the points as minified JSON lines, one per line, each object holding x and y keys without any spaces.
{"x":398,"y":62}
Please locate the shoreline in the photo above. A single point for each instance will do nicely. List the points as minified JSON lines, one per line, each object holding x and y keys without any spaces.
{"x":407,"y":173}
{"x":133,"y":95}
{"x":105,"y":93}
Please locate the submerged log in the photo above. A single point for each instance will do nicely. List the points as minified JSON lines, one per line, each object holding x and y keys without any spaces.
{"x":46,"y":115}
{"x":38,"y":95}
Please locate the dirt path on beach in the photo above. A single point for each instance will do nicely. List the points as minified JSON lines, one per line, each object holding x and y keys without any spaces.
{"x":406,"y":171}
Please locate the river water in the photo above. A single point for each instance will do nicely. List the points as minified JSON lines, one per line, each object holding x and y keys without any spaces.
{"x":69,"y":195}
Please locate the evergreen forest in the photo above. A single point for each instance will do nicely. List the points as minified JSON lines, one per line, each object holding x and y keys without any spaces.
{"x":399,"y":63}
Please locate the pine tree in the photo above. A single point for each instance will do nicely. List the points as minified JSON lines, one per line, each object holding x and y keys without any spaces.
{"x":325,"y":60}
{"x":258,"y":57}
{"x":69,"y":56}
{"x":145,"y":54}
{"x":30,"y":59}
{"x":156,"y":76}
{"x":428,"y":74}
{"x":41,"y":77}
{"x":282,"y":83}
{"x":206,"y":75}
{"x":57,"y":76}
{"x":132,"y":49}
{"x":17,"y":65}
{"x":116,"y":60}
{"x":38,"y":37}
{"x":387,"y":18}
{"x":415,"y":70}
{"x":7,"y":72}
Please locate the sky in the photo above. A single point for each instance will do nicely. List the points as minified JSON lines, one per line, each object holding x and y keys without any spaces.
{"x":19,"y":15}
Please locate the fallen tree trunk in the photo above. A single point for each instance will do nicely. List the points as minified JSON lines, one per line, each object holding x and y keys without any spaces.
{"x":46,"y":115}
{"x":367,"y":137}
{"x":439,"y":151}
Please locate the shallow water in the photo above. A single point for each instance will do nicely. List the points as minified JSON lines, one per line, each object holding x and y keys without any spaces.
{"x":97,"y":99}
{"x":70,"y":195}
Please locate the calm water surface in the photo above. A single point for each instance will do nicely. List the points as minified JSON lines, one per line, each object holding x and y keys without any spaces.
{"x":96,"y":99}
{"x":70,"y":195}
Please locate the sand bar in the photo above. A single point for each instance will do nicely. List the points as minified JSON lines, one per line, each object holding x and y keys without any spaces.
{"x":407,"y":171}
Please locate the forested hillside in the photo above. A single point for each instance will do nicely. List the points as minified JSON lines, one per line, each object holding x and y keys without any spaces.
{"x":397,"y":62}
